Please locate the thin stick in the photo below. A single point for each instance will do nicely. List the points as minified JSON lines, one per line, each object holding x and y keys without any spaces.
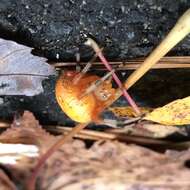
{"x":110,"y":135}
{"x":165,"y":62}
{"x":95,"y":135}
{"x":157,"y":66}
{"x":95,"y":84}
{"x":84,"y":70}
{"x":179,"y":31}
{"x":98,"y":51}
{"x":131,"y":65}
{"x":44,"y":157}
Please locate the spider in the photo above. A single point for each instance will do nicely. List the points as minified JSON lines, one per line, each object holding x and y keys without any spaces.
{"x":83,"y":100}
{"x":86,"y":107}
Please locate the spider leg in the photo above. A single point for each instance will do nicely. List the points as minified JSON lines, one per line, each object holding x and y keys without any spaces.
{"x":95,"y":84}
{"x":84,"y":70}
{"x":78,"y":66}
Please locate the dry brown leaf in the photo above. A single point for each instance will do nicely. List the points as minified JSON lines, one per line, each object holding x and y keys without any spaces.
{"x":174,"y":113}
{"x":113,"y":165}
{"x":21,"y":73}
{"x":127,"y":111}
{"x":26,"y":130}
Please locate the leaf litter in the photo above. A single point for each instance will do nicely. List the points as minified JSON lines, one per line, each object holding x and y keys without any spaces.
{"x":105,"y":165}
{"x":21,"y":73}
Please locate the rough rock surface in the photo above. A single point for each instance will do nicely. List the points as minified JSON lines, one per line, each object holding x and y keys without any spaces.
{"x":58,"y":28}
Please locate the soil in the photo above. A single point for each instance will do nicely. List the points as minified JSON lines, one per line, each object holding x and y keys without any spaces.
{"x":126,"y":29}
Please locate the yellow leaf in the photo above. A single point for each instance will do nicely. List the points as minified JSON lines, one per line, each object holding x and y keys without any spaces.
{"x":127,"y":111}
{"x":174,"y":113}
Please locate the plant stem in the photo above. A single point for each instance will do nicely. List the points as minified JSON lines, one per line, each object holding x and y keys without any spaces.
{"x":178,"y":32}
{"x":31,"y":183}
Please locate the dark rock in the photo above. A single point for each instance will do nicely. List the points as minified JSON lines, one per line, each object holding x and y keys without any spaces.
{"x":58,"y":28}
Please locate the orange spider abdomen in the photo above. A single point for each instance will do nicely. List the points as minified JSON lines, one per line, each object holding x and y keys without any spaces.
{"x":67,"y":95}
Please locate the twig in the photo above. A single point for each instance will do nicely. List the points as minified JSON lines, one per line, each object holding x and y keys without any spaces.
{"x":178,"y":32}
{"x":93,"y":135}
{"x":97,"y":135}
{"x":110,"y":135}
{"x":182,"y":63}
{"x":163,"y":63}
{"x":84,"y":70}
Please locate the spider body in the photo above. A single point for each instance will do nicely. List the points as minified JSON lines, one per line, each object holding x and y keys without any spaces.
{"x":82,"y":109}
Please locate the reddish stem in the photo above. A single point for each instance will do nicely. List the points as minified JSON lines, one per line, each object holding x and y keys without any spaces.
{"x":32,"y":180}
{"x":125,"y":93}
{"x":98,"y":51}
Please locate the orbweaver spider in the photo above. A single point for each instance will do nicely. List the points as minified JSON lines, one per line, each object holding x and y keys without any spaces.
{"x":68,"y":91}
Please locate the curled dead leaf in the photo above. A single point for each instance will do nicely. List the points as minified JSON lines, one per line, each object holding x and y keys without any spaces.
{"x":174,"y":113}
{"x":113,"y":165}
